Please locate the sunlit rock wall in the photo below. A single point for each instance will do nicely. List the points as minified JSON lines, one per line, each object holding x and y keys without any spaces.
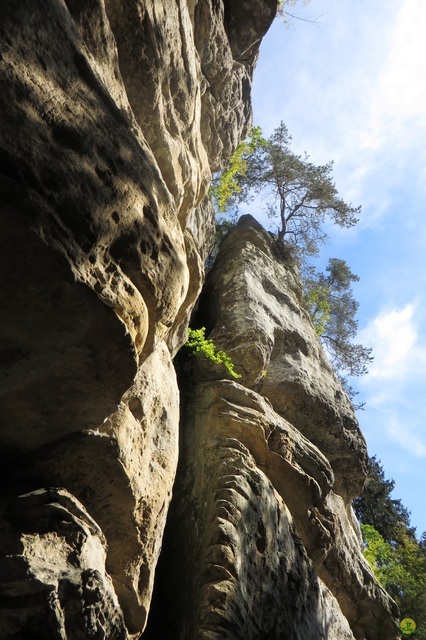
{"x":113,"y":116}
{"x":262,"y":518}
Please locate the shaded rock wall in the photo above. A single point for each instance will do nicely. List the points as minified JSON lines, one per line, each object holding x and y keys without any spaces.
{"x":53,"y":578}
{"x":113,"y":115}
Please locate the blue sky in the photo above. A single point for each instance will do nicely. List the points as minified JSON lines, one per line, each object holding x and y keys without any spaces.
{"x":352,"y":88}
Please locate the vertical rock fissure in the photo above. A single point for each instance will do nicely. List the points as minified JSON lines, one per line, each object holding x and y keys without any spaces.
{"x":113,"y":116}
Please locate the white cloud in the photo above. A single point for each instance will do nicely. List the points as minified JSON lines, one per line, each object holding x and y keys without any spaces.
{"x":393,"y":337}
{"x":351,"y":89}
{"x":399,"y":105}
{"x":387,"y":148}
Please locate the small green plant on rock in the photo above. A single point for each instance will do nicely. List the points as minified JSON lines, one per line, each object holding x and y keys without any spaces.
{"x":200,"y":345}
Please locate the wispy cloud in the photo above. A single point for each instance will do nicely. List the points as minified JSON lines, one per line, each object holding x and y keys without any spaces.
{"x":406,"y":437}
{"x":361,"y":101}
{"x":398,"y":108}
{"x":394,"y":416}
{"x":393,"y":336}
{"x":352,"y":89}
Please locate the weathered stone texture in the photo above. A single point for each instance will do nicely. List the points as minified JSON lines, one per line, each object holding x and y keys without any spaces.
{"x":255,"y":289}
{"x":112,"y":117}
{"x":253,"y":578}
{"x":123,"y":472}
{"x":271,"y":550}
{"x":297,"y":425}
{"x":113,"y":114}
{"x":53,"y":582}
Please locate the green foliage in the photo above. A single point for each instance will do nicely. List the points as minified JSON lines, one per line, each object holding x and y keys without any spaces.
{"x":301,"y":195}
{"x":375,"y":505}
{"x":401,"y":570}
{"x":330,"y":302}
{"x":382,"y":557}
{"x":397,"y":558}
{"x":227,"y":185}
{"x":319,"y":307}
{"x":200,"y":345}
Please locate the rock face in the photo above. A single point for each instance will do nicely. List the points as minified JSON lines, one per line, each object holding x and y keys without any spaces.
{"x":262,"y":515}
{"x":53,"y":578}
{"x":113,"y":116}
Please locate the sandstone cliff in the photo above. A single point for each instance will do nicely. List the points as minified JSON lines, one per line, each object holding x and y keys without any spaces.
{"x":113,"y":115}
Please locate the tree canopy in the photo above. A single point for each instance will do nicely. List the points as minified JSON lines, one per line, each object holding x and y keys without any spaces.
{"x":332,"y":307}
{"x":293,"y":190}
{"x":376,"y":507}
{"x":302,"y":197}
{"x":226,"y":185}
{"x":397,"y":558}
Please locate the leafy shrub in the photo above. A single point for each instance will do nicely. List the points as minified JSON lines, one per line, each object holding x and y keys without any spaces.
{"x":227,"y":184}
{"x":200,"y":345}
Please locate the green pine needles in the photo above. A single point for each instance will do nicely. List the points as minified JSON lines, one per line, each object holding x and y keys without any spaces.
{"x":200,"y":345}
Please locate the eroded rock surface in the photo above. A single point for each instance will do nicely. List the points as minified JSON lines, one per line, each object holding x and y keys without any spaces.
{"x":255,"y":289}
{"x":113,"y":114}
{"x":235,"y":537}
{"x":292,"y":424}
{"x":112,"y":117}
{"x":52,"y":571}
